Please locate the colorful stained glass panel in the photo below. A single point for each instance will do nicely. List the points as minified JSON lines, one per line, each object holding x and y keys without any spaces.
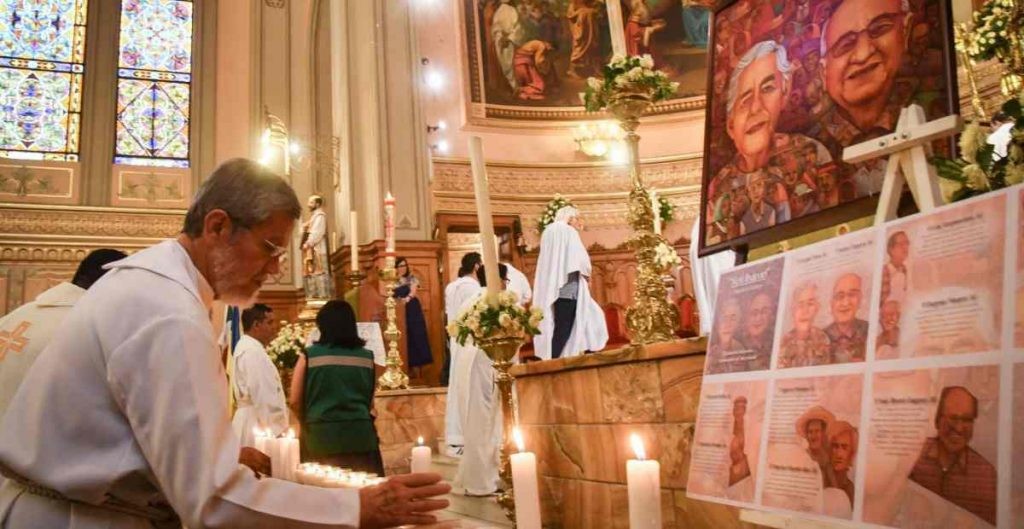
{"x":153,"y":92}
{"x":42,"y":53}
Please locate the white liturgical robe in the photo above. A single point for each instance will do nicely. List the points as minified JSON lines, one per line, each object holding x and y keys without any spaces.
{"x":258,"y":393}
{"x":130,"y":401}
{"x":455,"y":296}
{"x":518,"y":283}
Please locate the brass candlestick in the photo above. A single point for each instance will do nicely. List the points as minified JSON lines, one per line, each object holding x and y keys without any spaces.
{"x":501,"y":350}
{"x":394,"y":377}
{"x":355,"y":279}
{"x":651,"y":318}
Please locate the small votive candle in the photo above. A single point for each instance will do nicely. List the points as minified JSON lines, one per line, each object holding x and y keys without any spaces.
{"x":420,"y":457}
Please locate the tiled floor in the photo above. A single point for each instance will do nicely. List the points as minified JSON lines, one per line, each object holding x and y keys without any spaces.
{"x":465,"y":512}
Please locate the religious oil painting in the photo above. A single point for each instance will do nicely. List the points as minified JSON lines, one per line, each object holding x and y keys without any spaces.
{"x":743,"y":331}
{"x":793,"y":82}
{"x":942,"y":282}
{"x":826,"y":303}
{"x":931,"y":451}
{"x":530,"y":59}
{"x":813,"y":434}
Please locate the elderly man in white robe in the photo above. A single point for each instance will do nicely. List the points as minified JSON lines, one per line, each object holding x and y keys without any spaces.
{"x":520,"y":284}
{"x":257,"y":383}
{"x":573,"y":322}
{"x":123,"y":421}
{"x":456,"y":294}
{"x":478,"y":467}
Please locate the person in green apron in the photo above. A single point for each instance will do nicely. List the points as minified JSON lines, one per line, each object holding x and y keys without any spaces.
{"x":335,"y":381}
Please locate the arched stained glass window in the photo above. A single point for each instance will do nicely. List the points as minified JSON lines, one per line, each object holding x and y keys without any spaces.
{"x":42,"y":59}
{"x":153,"y":86}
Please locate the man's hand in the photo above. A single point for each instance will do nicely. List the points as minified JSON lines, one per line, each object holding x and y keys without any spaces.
{"x":256,"y":460}
{"x":402,"y":500}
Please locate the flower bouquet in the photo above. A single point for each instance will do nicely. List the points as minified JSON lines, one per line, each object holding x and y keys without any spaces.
{"x":550,"y":210}
{"x":285,"y":348}
{"x":666,"y":257}
{"x":628,"y":75}
{"x":666,"y":210}
{"x":504,"y":319}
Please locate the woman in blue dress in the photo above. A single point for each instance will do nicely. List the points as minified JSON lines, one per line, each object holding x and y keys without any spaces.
{"x":417,"y":340}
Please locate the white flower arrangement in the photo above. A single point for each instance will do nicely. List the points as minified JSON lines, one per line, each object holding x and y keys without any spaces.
{"x":666,"y":257}
{"x":286,"y":347}
{"x":550,"y":210}
{"x":996,"y":30}
{"x":504,"y":319}
{"x":628,"y":73}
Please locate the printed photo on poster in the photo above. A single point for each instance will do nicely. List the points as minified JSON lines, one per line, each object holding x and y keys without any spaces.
{"x":825,"y":305}
{"x":792,"y":84}
{"x":931,"y":456}
{"x":743,"y":331}
{"x":723,"y":463}
{"x":941,"y":282}
{"x":812,"y":445}
{"x":530,"y":59}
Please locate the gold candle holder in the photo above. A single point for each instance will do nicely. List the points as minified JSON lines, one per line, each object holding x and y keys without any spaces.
{"x":651,"y":318}
{"x":394,"y":377}
{"x":502,"y":350}
{"x":355,"y":279}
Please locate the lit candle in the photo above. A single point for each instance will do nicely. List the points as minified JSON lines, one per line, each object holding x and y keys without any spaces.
{"x":524,"y":482}
{"x":389,"y":230}
{"x":483,"y":215}
{"x":617,"y":28}
{"x":420,"y":457}
{"x":261,"y":439}
{"x":643,"y":479}
{"x":277,"y":459}
{"x":289,"y":449}
{"x":353,"y":233}
{"x":656,"y":208}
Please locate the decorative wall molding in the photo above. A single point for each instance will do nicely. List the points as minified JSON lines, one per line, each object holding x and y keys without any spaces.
{"x":53,"y":183}
{"x":152,"y":187}
{"x":21,"y":223}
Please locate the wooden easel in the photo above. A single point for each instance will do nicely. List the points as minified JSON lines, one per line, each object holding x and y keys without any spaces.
{"x":908,"y":149}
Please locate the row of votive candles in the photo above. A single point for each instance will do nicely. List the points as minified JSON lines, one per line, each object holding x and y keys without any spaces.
{"x":283,"y":452}
{"x":333,"y":477}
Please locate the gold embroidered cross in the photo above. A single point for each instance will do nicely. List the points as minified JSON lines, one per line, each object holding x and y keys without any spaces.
{"x":14,"y":340}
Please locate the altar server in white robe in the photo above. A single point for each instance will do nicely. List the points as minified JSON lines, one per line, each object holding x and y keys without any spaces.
{"x":573,"y":322}
{"x":478,"y":468}
{"x":706,"y":272}
{"x":124,"y":415}
{"x":520,"y":284}
{"x":257,"y":383}
{"x":26,"y":331}
{"x":456,"y":294}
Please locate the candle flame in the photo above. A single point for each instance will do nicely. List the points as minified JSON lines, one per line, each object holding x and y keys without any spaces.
{"x":419,"y":440}
{"x":518,"y":436}
{"x":638,"y":447}
{"x":256,"y":432}
{"x":291,"y":433}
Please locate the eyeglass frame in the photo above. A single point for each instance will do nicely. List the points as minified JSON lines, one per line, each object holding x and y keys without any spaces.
{"x":899,"y":18}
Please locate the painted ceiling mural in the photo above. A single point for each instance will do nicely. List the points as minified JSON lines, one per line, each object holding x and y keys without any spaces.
{"x":530,"y":59}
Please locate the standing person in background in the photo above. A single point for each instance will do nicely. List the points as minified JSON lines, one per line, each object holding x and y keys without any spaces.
{"x":520,"y":284}
{"x":256,"y":382}
{"x":456,"y":294}
{"x":333,"y":385}
{"x":573,"y":322}
{"x":417,"y":340}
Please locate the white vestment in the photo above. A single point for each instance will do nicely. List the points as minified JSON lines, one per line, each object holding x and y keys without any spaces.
{"x":318,"y":231}
{"x":26,"y":331}
{"x":456,"y":294}
{"x":258,"y":393}
{"x":505,"y":24}
{"x":562,"y":253}
{"x":478,"y":467}
{"x":518,"y":283}
{"x":130,"y":400}
{"x":706,"y":273}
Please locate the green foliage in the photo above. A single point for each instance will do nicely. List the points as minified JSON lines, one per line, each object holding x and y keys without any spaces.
{"x":550,"y":210}
{"x":628,"y":74}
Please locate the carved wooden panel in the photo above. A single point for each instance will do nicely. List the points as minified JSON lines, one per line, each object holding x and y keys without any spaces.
{"x":151,"y":187}
{"x":53,"y":183}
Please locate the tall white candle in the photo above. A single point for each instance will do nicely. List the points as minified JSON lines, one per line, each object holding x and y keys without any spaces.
{"x":289,"y":448}
{"x":389,"y":230}
{"x":643,"y":480}
{"x":656,"y":208}
{"x":483,"y":215}
{"x":524,"y":482}
{"x":278,"y":465}
{"x":420,"y":457}
{"x":353,"y":234}
{"x":616,"y":27}
{"x":261,"y":439}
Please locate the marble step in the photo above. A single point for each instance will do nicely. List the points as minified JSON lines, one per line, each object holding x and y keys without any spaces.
{"x":474,"y":512}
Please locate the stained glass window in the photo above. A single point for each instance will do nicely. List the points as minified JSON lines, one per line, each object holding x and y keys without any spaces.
{"x":42,"y":59}
{"x":153,"y":91}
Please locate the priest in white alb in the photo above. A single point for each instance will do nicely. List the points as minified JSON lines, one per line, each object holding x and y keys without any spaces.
{"x":256,"y":383}
{"x":573,"y":322}
{"x":122,"y":422}
{"x":456,"y":294}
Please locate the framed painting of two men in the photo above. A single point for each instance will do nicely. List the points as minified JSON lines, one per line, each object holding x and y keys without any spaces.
{"x":793,"y":82}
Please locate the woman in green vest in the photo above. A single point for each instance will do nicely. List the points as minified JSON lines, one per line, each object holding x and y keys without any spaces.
{"x":333,"y":387}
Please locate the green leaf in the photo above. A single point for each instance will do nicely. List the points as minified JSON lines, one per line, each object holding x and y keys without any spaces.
{"x":984,"y":156}
{"x":1012,"y":107}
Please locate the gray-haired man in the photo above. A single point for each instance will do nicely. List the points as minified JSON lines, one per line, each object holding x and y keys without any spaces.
{"x":124,"y":415}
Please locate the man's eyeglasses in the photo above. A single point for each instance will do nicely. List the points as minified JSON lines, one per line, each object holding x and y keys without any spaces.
{"x":275,"y":251}
{"x":878,"y":28}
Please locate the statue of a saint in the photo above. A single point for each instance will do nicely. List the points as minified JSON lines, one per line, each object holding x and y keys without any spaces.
{"x":316,"y":268}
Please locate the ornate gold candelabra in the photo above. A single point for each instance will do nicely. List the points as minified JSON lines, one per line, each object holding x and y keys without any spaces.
{"x":651,"y":318}
{"x":394,"y":377}
{"x":501,"y":351}
{"x":355,"y":280}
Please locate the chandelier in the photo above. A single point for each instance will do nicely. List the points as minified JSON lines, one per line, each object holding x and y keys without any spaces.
{"x":598,"y":139}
